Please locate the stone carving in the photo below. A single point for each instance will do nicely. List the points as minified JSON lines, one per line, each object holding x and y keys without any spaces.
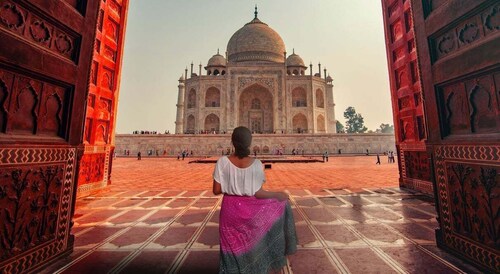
{"x":11,"y":16}
{"x":474,"y":189}
{"x":466,"y":192}
{"x":246,"y":81}
{"x":115,"y":7}
{"x":396,"y":31}
{"x":4,"y":94}
{"x":40,"y":32}
{"x":470,"y":30}
{"x":492,"y":19}
{"x":110,"y":53}
{"x":469,"y":33}
{"x":51,"y":115}
{"x":91,"y":168}
{"x":30,"y":207}
{"x":39,"y":107}
{"x":64,"y":44}
{"x":35,"y":199}
{"x":468,"y":106}
{"x":404,"y":102}
{"x":417,"y":165}
{"x":446,"y":44}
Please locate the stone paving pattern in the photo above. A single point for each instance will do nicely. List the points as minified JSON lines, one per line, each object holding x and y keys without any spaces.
{"x":153,"y":220}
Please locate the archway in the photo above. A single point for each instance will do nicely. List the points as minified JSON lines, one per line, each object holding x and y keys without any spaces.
{"x":212,"y":97}
{"x":191,"y":99}
{"x":320,"y":99}
{"x":299,"y":97}
{"x":299,"y":123}
{"x":212,"y":123}
{"x":256,"y":109}
{"x":320,"y":124}
{"x":190,"y":124}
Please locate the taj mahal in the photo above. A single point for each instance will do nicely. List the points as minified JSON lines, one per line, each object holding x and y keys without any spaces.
{"x":258,"y":86}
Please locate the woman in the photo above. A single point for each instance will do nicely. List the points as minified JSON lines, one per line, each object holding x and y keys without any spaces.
{"x":256,"y":227}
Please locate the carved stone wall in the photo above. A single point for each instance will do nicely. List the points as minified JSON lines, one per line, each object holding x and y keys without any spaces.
{"x":406,"y":92}
{"x":36,"y":187}
{"x":103,"y":96}
{"x":457,"y":44}
{"x":45,"y":60}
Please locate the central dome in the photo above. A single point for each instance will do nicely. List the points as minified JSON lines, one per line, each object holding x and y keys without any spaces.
{"x":256,"y":41}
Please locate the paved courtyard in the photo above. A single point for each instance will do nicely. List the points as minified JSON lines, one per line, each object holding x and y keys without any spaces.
{"x":159,"y":216}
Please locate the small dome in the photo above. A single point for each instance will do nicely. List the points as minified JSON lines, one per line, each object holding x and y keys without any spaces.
{"x":329,"y":78}
{"x":294,"y":60}
{"x":181,"y":78}
{"x":256,"y":41}
{"x":217,"y":61}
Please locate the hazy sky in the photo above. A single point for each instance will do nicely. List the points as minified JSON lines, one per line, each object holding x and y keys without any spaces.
{"x":164,"y":36}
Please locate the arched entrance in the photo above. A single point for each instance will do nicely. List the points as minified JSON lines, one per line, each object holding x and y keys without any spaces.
{"x":256,"y":109}
{"x":212,"y":123}
{"x":190,"y":125}
{"x":320,"y":124}
{"x":299,"y":123}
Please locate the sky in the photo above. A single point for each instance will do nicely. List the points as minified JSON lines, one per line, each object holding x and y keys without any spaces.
{"x":163,"y":37}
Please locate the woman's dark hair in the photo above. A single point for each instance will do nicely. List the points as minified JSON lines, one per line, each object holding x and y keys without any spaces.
{"x":242,"y":139}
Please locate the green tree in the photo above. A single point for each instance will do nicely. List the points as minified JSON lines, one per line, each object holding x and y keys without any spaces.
{"x":354,"y":121}
{"x":386,"y":128}
{"x":340,"y":127}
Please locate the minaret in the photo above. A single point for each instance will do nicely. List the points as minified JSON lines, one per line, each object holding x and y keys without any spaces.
{"x":200,"y":69}
{"x":319,"y":69}
{"x":324,"y":70}
{"x":186,"y":73}
{"x":311,"y":68}
{"x":191,"y":68}
{"x":331,"y":123}
{"x":179,"y":120}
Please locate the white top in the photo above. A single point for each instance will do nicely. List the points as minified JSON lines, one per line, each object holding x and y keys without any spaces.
{"x":239,"y":181}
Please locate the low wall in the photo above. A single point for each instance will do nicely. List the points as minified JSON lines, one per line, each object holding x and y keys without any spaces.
{"x":215,"y":144}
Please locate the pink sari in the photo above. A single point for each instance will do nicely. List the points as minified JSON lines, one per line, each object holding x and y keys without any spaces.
{"x":255,"y":234}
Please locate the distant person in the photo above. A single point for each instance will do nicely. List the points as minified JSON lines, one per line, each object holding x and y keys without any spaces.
{"x":139,"y":155}
{"x":340,"y":151}
{"x":378,"y":159}
{"x":326,"y":155}
{"x":183,"y":155}
{"x":256,"y":227}
{"x":367,"y":153}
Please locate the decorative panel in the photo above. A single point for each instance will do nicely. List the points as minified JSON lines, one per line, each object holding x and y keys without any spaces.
{"x":470,"y":30}
{"x":468,"y":181}
{"x":457,"y":46}
{"x":91,"y":168}
{"x":36,"y":187}
{"x":417,"y":165}
{"x":470,"y":106}
{"x":29,"y":106}
{"x":404,"y":71}
{"x":17,"y":19}
{"x":103,"y":96}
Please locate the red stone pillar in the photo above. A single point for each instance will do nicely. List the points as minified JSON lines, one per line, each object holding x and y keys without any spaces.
{"x":95,"y":167}
{"x":406,"y":94}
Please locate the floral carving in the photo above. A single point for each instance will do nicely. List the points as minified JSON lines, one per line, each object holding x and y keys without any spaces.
{"x":11,"y":16}
{"x":40,"y":32}
{"x":245,"y":81}
{"x":64,"y":44}
{"x":469,"y":33}
{"x":474,"y":191}
{"x":30,"y":200}
{"x":446,"y":44}
{"x":492,"y":21}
